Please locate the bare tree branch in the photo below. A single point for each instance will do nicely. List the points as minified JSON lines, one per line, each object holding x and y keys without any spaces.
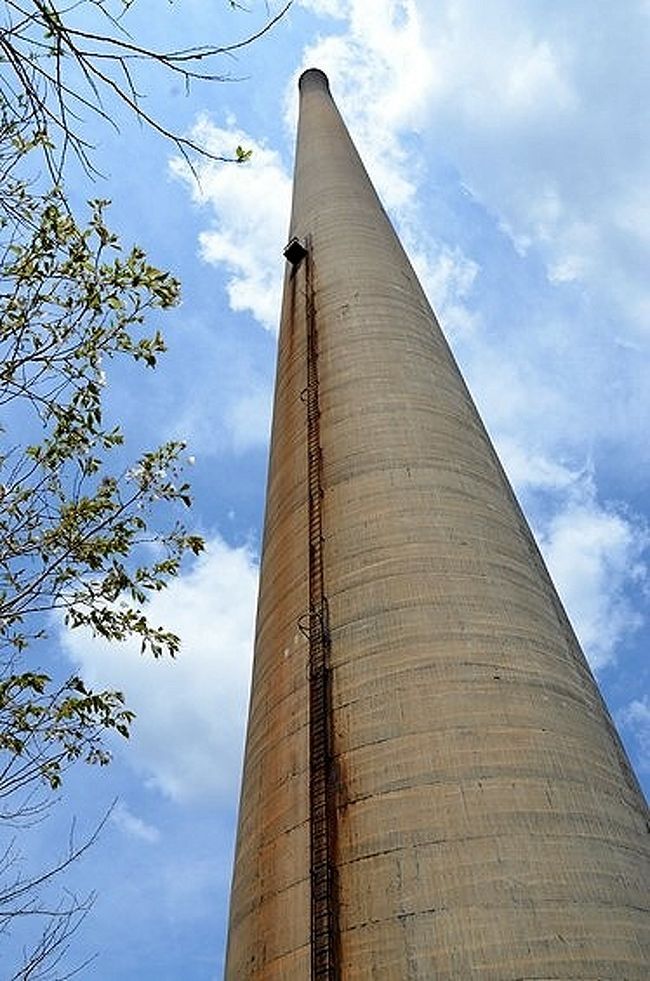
{"x":56,"y":65}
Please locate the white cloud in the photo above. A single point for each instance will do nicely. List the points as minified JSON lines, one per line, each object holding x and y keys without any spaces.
{"x":132,"y":825}
{"x":535,"y":70}
{"x":188,"y":731}
{"x":447,"y":277}
{"x":594,"y":552}
{"x":250,"y":205}
{"x":523,"y":105}
{"x":537,"y":128}
{"x":533,"y":469}
{"x":559,"y":377}
{"x":635,"y":717}
{"x":381,"y":73}
{"x":329,"y":8}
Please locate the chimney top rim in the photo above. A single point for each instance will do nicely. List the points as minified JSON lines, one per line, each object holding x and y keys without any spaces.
{"x":314,"y":78}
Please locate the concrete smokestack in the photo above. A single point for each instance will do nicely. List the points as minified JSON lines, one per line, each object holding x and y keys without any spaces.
{"x":432,"y":785}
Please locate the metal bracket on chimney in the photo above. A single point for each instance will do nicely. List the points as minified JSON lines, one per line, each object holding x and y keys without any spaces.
{"x":295,"y":252}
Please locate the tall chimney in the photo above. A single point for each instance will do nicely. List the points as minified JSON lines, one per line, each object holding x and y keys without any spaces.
{"x":432,"y":788}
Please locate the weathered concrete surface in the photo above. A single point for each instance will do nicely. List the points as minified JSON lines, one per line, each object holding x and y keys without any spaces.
{"x":488,"y":823}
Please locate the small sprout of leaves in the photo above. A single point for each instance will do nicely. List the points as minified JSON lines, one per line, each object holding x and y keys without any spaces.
{"x":243,"y":155}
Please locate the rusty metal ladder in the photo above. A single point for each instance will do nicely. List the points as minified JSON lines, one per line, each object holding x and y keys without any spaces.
{"x":324,"y":919}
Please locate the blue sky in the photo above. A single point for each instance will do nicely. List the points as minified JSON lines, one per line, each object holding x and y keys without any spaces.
{"x":509,"y":142}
